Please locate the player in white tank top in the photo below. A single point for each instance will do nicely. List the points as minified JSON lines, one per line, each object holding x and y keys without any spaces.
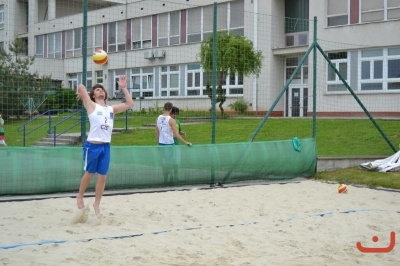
{"x":97,"y":145}
{"x":166,"y":130}
{"x":101,"y":124}
{"x":166,"y":135}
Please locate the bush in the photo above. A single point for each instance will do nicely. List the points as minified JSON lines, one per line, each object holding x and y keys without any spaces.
{"x":239,"y":106}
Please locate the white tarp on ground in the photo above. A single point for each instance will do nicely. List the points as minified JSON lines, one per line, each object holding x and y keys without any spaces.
{"x":389,"y":164}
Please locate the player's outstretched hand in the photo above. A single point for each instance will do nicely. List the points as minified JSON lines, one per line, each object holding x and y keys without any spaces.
{"x":189,"y":144}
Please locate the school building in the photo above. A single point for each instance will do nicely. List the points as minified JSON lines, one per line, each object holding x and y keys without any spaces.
{"x":157,"y":43}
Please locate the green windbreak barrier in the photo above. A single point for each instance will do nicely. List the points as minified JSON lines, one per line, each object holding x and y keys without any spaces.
{"x":41,"y":170}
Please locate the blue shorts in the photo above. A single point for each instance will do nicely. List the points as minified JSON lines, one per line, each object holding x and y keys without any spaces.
{"x":96,"y":157}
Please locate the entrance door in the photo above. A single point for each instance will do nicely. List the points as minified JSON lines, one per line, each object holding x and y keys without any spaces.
{"x":297,"y":101}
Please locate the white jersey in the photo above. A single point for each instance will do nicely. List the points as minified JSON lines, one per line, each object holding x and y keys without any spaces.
{"x":101,"y":124}
{"x":166,"y":135}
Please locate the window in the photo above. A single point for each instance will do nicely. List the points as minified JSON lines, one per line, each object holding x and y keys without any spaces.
{"x":235,"y":84}
{"x":393,"y":9}
{"x":193,"y":80}
{"x":1,"y":16}
{"x":143,"y":82}
{"x":208,"y":12}
{"x":222,"y":18}
{"x":371,"y":69}
{"x":99,"y":77}
{"x":337,"y":12}
{"x":170,"y":81}
{"x":73,"y":45}
{"x":141,"y":32}
{"x":39,"y":46}
{"x":73,"y":80}
{"x":340,"y":61}
{"x":117,"y":36}
{"x":301,"y":76}
{"x":194,"y":25}
{"x":54,"y":45}
{"x":89,"y":80}
{"x":200,"y":20}
{"x":236,"y":18}
{"x":232,"y":84}
{"x":95,"y":38}
{"x":378,"y":10}
{"x":1,"y":46}
{"x":117,"y":93}
{"x":393,"y":65}
{"x":168,"y":28}
{"x":372,"y":10}
{"x":380,"y":69}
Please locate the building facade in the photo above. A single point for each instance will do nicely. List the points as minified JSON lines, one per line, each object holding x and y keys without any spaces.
{"x":156,"y":44}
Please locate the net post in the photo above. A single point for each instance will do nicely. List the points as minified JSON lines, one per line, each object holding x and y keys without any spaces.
{"x":84,"y":66}
{"x":314,"y":115}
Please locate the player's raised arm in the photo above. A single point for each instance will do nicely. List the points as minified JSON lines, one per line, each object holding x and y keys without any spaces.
{"x":82,"y":94}
{"x":128,"y":104}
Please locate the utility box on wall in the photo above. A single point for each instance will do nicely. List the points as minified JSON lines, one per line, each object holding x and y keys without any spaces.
{"x":159,"y":53}
{"x":148,"y":54}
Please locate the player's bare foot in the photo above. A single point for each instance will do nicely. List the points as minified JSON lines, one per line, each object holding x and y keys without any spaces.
{"x":80,"y":203}
{"x":81,"y":216}
{"x":96,"y":210}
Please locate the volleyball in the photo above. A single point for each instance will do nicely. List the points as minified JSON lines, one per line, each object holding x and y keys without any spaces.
{"x":100,"y":57}
{"x":342,"y":188}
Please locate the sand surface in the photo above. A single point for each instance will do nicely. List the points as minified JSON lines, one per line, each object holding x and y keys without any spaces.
{"x":299,"y":223}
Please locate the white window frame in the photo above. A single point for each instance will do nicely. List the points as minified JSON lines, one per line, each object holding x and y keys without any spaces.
{"x":235,"y":87}
{"x":385,"y":9}
{"x":389,"y":10}
{"x":73,"y":43}
{"x":226,"y":17}
{"x":118,"y":42}
{"x":39,"y":51}
{"x":95,"y":38}
{"x":385,"y":80}
{"x":392,"y":57}
{"x":370,"y":11}
{"x":145,"y":33}
{"x":194,"y":25}
{"x":373,"y":60}
{"x":193,"y":70}
{"x":167,"y":73}
{"x":99,"y":76}
{"x":144,"y":77}
{"x":233,"y":15}
{"x":1,"y":16}
{"x":54,"y":44}
{"x":73,"y":79}
{"x":337,"y":85}
{"x":302,"y":75}
{"x":166,"y":37}
{"x":336,"y":14}
{"x":117,"y":74}
{"x":89,"y":80}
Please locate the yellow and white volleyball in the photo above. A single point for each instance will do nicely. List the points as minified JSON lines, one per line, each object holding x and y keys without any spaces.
{"x":342,"y":188}
{"x":100,"y":57}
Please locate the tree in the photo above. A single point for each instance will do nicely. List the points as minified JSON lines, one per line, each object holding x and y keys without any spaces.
{"x":17,"y":84}
{"x":235,"y":55}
